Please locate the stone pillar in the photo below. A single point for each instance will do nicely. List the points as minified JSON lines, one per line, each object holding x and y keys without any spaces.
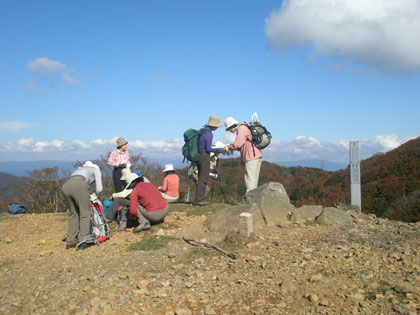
{"x":245,"y":224}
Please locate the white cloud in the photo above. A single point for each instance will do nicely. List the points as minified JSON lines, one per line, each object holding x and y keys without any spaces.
{"x":299,"y":148}
{"x":44,"y":64}
{"x":378,"y":33}
{"x":25,"y":142}
{"x":53,"y":72}
{"x":13,"y":126}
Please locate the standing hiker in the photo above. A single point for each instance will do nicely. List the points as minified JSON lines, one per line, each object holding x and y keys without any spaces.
{"x":251,"y":156}
{"x":146,"y":203}
{"x":119,"y":158}
{"x":170,"y":187}
{"x":77,"y":196}
{"x":205,"y":141}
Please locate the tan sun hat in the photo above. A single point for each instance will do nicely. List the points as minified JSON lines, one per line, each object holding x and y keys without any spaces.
{"x":214,"y":121}
{"x":121,"y":141}
{"x":230,"y":122}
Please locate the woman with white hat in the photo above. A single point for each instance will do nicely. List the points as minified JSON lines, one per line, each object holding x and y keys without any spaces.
{"x":77,"y":195}
{"x":119,"y":158}
{"x":251,"y":156}
{"x":170,"y":187}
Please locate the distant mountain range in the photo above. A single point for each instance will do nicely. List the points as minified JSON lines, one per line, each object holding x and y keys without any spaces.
{"x":314,"y":163}
{"x":21,"y":168}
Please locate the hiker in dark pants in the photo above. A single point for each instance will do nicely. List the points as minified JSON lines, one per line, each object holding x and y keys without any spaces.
{"x":119,"y":158}
{"x":205,"y":141}
{"x":77,"y":196}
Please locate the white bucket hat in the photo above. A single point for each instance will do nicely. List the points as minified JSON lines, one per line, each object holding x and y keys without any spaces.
{"x":130,"y":178}
{"x":169,"y":167}
{"x":89,"y":163}
{"x":229,"y":122}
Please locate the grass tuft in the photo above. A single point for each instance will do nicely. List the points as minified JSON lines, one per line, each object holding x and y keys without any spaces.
{"x":152,"y":242}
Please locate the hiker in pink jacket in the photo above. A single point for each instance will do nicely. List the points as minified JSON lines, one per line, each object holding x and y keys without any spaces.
{"x":251,"y":156}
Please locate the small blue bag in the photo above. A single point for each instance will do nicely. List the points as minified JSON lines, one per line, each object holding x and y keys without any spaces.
{"x":106,"y":204}
{"x":17,"y":209}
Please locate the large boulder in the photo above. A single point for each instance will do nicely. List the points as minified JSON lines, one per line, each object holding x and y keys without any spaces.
{"x":331,"y":216}
{"x":307,"y":213}
{"x":273,"y":202}
{"x":227,"y":220}
{"x":268,"y":204}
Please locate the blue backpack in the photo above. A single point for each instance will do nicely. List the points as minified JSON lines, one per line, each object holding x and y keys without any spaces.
{"x":17,"y":209}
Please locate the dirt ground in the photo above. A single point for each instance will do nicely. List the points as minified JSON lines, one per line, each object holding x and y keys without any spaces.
{"x":368,"y":267}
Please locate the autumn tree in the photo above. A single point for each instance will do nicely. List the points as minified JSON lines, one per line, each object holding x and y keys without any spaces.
{"x":43,"y":192}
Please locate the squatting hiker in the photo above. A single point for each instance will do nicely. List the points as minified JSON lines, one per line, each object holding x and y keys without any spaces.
{"x":77,"y":196}
{"x":251,"y":156}
{"x":121,"y":201}
{"x":170,"y":187}
{"x":146,"y":204}
{"x":119,"y":158}
{"x":202,"y":160}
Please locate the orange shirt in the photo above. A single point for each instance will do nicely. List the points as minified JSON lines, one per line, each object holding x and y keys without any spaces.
{"x":171,"y":185}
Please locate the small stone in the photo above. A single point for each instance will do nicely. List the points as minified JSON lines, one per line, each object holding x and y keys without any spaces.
{"x":313,"y":298}
{"x":8,"y":240}
{"x":316,"y":277}
{"x":209,"y":310}
{"x":183,"y":311}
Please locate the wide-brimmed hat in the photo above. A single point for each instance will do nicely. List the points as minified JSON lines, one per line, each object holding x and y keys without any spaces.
{"x":214,"y":121}
{"x":130,"y":178}
{"x":121,"y":141}
{"x":169,"y":167}
{"x":230,"y":122}
{"x":89,"y":163}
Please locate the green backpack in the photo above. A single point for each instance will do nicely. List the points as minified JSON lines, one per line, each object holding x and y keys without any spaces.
{"x":190,"y":147}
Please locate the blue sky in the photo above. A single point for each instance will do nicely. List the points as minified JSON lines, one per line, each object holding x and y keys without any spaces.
{"x":77,"y":74}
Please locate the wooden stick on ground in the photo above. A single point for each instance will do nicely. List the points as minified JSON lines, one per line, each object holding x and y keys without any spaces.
{"x":208,"y":245}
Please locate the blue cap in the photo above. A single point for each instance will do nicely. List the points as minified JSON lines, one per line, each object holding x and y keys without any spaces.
{"x":138,"y":173}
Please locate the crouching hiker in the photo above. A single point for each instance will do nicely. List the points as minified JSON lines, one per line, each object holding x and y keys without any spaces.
{"x":170,"y":187}
{"x":147,"y":205}
{"x":121,"y":201}
{"x":77,"y":196}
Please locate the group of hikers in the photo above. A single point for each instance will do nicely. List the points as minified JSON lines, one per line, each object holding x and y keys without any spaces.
{"x":138,"y":201}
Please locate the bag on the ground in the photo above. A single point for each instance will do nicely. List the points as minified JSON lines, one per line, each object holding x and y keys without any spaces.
{"x":99,"y":230}
{"x":261,"y":137}
{"x":106,"y":203}
{"x":17,"y":209}
{"x":190,"y":147}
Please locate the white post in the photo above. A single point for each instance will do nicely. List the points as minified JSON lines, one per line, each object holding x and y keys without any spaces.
{"x":354,"y":150}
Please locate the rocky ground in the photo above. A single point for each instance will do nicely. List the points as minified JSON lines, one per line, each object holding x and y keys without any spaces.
{"x":368,"y":267}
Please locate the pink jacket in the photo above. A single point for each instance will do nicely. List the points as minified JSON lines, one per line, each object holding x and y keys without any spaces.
{"x":243,"y":143}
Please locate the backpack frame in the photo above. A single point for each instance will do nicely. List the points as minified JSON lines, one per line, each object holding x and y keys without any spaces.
{"x":99,"y":230}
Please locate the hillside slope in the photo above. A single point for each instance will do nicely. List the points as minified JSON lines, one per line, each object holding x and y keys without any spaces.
{"x":368,"y":267}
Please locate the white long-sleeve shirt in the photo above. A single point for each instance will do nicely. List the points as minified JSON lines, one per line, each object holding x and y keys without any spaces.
{"x":91,"y":174}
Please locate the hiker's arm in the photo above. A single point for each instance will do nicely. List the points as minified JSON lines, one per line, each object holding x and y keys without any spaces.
{"x":208,"y":143}
{"x":98,"y":180}
{"x":112,"y":160}
{"x":165,"y":185}
{"x":134,"y":198}
{"x":122,"y":194}
{"x":240,"y":139}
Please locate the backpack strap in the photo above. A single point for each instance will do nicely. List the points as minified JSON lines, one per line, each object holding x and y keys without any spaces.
{"x":250,"y":140}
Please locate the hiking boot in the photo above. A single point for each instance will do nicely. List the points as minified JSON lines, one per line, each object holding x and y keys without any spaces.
{"x":71,"y":244}
{"x":142,"y":227}
{"x":122,"y":226}
{"x":84,"y":246}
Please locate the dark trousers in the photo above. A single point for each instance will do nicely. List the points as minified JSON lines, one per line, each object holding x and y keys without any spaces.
{"x":116,"y":177}
{"x":203,"y":165}
{"x":113,"y":208}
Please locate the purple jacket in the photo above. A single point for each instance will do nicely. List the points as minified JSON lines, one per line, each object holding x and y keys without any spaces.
{"x":205,"y":140}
